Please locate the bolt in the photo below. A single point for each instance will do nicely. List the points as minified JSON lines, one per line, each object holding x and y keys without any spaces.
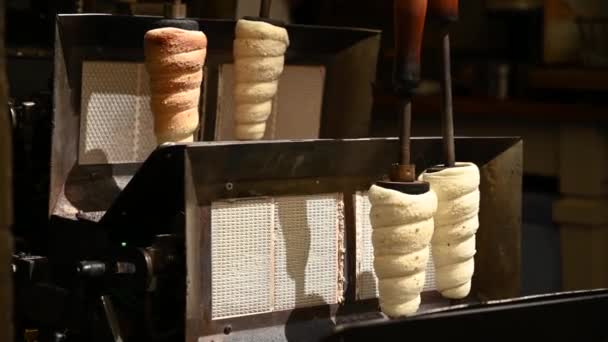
{"x":229,"y":186}
{"x":227,"y":329}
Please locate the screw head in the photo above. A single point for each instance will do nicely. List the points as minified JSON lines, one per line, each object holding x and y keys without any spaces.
{"x":227,"y":329}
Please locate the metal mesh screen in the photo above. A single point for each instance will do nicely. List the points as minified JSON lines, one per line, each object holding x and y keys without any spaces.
{"x":272,"y":254}
{"x":116,"y":120}
{"x":241,"y":233}
{"x":306,"y":251}
{"x":367,"y":283}
{"x":296,"y":110}
{"x":145,"y":139}
{"x":367,"y":286}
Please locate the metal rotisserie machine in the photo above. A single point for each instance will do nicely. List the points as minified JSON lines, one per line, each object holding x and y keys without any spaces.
{"x":226,"y":240}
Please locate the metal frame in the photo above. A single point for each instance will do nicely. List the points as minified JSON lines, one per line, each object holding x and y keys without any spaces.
{"x":571,"y":315}
{"x":198,"y":174}
{"x":347,"y":91}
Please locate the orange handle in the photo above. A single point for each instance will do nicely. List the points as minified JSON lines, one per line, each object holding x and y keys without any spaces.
{"x":444,"y":10}
{"x":409,"y":18}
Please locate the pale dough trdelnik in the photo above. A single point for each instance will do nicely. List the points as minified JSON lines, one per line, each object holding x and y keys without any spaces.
{"x":456,"y":223}
{"x":259,"y":50}
{"x":402,"y":229}
{"x":174,"y":59}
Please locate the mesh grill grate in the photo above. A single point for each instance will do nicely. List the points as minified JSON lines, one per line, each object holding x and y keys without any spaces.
{"x":274,"y":254}
{"x":240,"y":257}
{"x":116,"y":125}
{"x":145,"y":140}
{"x":306,"y":251}
{"x":366,"y":277}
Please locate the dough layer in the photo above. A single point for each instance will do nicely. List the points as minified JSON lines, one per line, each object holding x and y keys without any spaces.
{"x":402,"y":231}
{"x":174,"y":59}
{"x":258,"y":50}
{"x":456,"y":223}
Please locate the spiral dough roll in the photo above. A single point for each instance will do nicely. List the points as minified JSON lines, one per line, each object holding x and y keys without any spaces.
{"x":174,"y":59}
{"x":259,"y":50}
{"x":402,"y":230}
{"x":456,"y":223}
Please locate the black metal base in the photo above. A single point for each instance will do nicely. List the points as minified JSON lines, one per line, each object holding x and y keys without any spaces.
{"x":560,"y":317}
{"x":410,"y":188}
{"x":183,"y":24}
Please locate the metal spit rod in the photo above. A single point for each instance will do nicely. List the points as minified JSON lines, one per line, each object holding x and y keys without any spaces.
{"x":409,"y":19}
{"x":174,"y":9}
{"x":446,"y":11}
{"x":406,"y":132}
{"x":265,"y":8}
